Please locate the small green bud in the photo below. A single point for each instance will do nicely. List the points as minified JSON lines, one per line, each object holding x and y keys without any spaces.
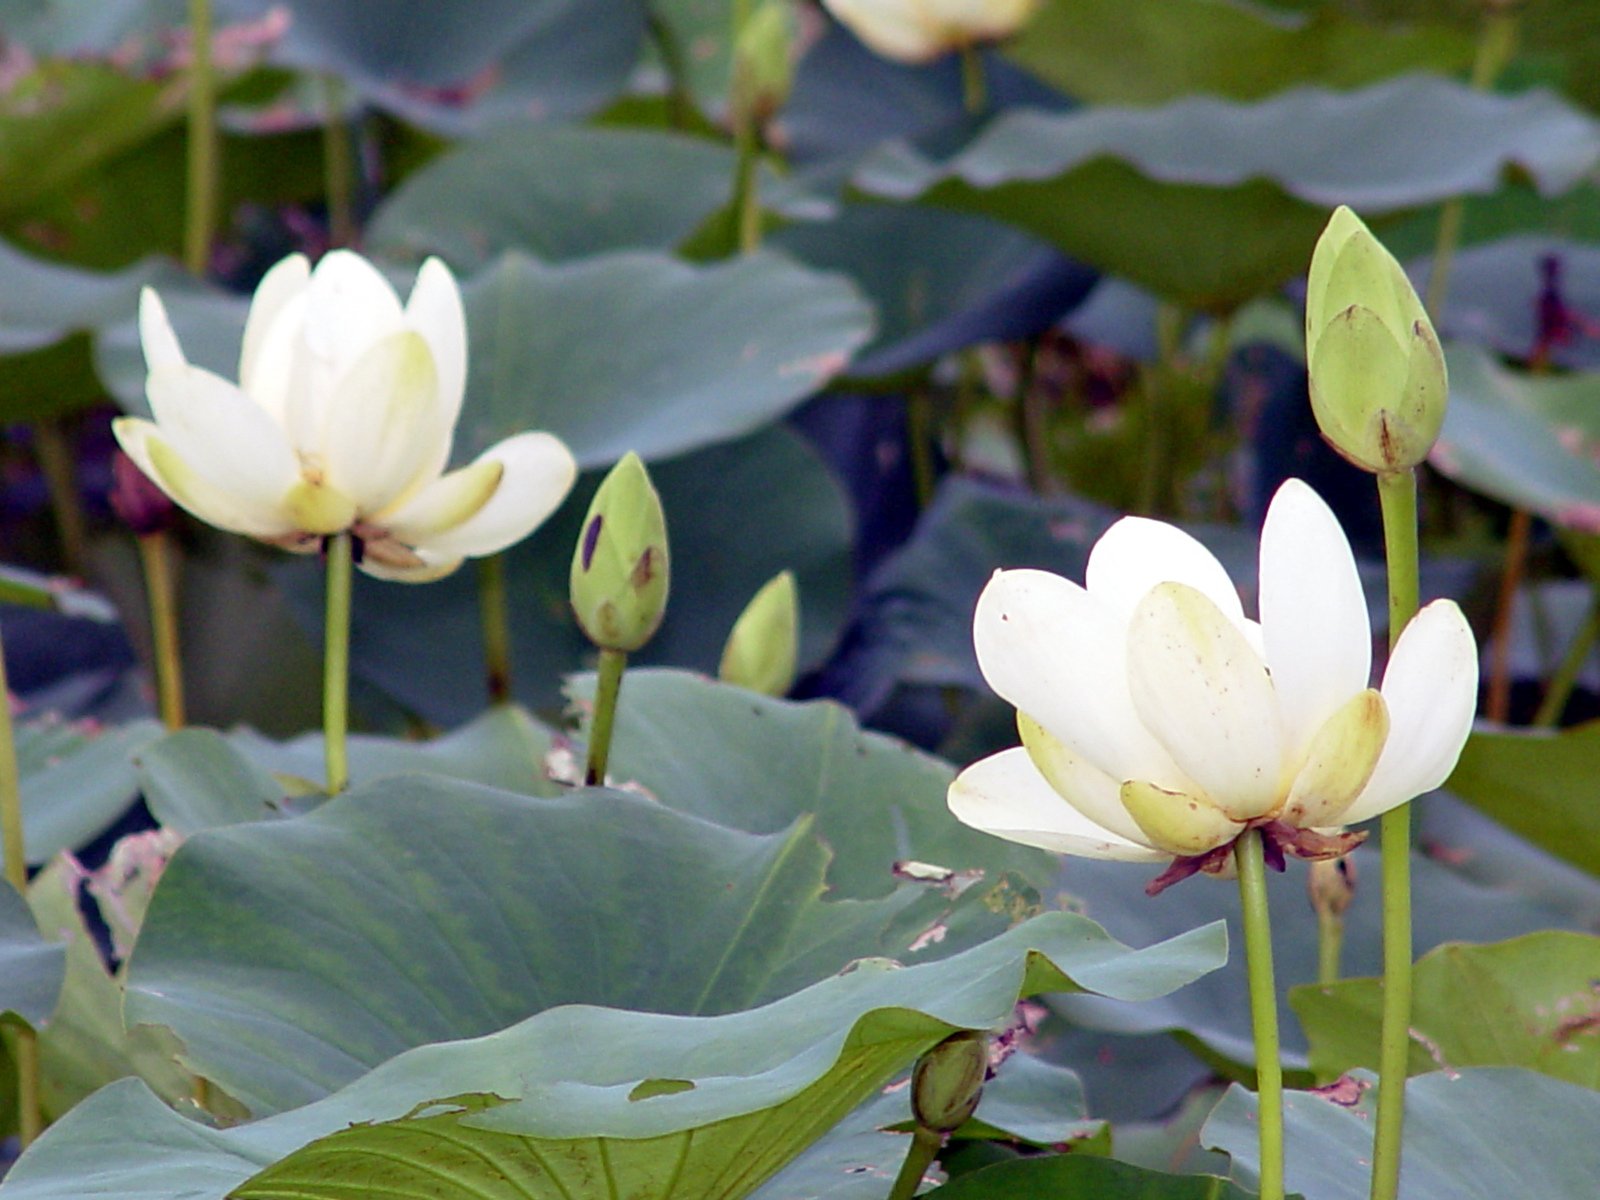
{"x":764,"y":59}
{"x":620,"y":569}
{"x":765,"y":642}
{"x":948,"y":1080}
{"x":1378,"y":382}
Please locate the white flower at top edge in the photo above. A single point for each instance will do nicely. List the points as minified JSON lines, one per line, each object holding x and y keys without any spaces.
{"x":916,"y":31}
{"x":342,"y":421}
{"x":1159,"y":722}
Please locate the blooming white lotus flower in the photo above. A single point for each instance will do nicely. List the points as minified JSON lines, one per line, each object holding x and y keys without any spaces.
{"x":342,"y":421}
{"x":916,"y":31}
{"x":1159,"y":722}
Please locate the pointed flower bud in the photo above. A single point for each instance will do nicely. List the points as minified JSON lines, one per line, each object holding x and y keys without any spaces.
{"x":948,"y":1080}
{"x":619,"y":569}
{"x":916,"y":31}
{"x":1378,"y":383}
{"x":764,"y":59}
{"x":764,"y":645}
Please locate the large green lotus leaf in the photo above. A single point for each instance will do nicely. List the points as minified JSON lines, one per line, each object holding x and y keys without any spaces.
{"x":76,"y":780}
{"x":1480,"y":1134}
{"x":601,"y":1096}
{"x":715,"y":751}
{"x":1083,"y":1177}
{"x":198,"y":779}
{"x":1160,"y":195}
{"x":31,"y":968}
{"x":85,"y":1045}
{"x":1528,"y":441}
{"x":1109,"y":52}
{"x":736,"y":516}
{"x":1539,"y":784}
{"x":625,"y":352}
{"x":559,"y":193}
{"x":1530,"y":1002}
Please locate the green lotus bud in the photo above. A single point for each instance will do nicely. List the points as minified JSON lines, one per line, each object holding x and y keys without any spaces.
{"x":948,"y":1080}
{"x":765,"y":642}
{"x":1378,"y":383}
{"x":764,"y":59}
{"x":620,"y":569}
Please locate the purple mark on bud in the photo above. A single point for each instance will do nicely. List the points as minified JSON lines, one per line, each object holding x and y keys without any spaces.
{"x":591,"y":539}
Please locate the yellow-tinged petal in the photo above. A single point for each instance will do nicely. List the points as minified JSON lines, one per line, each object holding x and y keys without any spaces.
{"x":1202,"y":690}
{"x":442,"y":505}
{"x":316,"y":507}
{"x":141,"y":440}
{"x":1178,"y":823}
{"x":1339,"y":762}
{"x":537,"y":473}
{"x":1005,"y":795}
{"x":1079,"y":783}
{"x":385,"y":423}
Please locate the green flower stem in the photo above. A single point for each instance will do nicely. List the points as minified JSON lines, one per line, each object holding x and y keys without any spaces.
{"x":154,"y":556}
{"x":200,"y":212}
{"x":1397,"y":493}
{"x":1566,"y":674}
{"x":1263,"y":1009}
{"x":974,"y":87}
{"x":1033,"y":416}
{"x":493,"y":612}
{"x":606,"y":691}
{"x":1330,"y":947}
{"x":58,"y":464}
{"x":746,"y":144}
{"x":1496,"y":42}
{"x":25,"y":1041}
{"x":338,"y":164}
{"x":920,"y":435}
{"x":336,"y":663}
{"x":924,"y":1148}
{"x":1497,"y":696}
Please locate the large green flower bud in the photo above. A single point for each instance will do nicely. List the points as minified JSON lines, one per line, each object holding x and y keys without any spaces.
{"x":1378,"y":384}
{"x":763,"y":52}
{"x":765,"y":642}
{"x":620,"y":569}
{"x":948,"y":1080}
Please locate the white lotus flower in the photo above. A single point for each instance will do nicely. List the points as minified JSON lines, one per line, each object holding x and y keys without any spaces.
{"x":342,"y":420}
{"x":916,"y":31}
{"x":1159,"y":722}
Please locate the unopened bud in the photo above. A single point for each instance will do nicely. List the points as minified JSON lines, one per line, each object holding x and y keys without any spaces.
{"x":765,"y":643}
{"x":620,"y":569}
{"x":763,"y":58}
{"x":948,"y":1080}
{"x":1378,"y":381}
{"x":138,"y":503}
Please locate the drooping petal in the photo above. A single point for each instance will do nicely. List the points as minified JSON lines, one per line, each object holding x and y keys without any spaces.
{"x":156,"y":337}
{"x":141,"y":440}
{"x":1137,"y":553}
{"x":538,"y":472}
{"x":224,"y":435}
{"x":422,"y":571}
{"x":272,"y":334}
{"x":1084,"y":786}
{"x":1056,"y":653}
{"x":443,"y":503}
{"x":1204,"y":693}
{"x":1005,"y":796}
{"x":1313,"y":613}
{"x":1431,"y":689}
{"x":384,"y":422}
{"x":1181,"y":823}
{"x":1339,"y":762}
{"x":434,"y":310}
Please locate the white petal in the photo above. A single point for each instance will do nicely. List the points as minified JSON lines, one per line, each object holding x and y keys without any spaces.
{"x":1005,"y":796}
{"x":141,"y":440}
{"x":434,"y":310}
{"x":160,"y":344}
{"x":1057,"y":654}
{"x":1205,"y":694}
{"x":272,"y":334}
{"x":224,"y":435}
{"x":539,"y":471}
{"x":384,"y":423}
{"x":1431,"y":689}
{"x":424,"y":572}
{"x":1084,"y":786}
{"x":1137,"y":553}
{"x":1313,"y":613}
